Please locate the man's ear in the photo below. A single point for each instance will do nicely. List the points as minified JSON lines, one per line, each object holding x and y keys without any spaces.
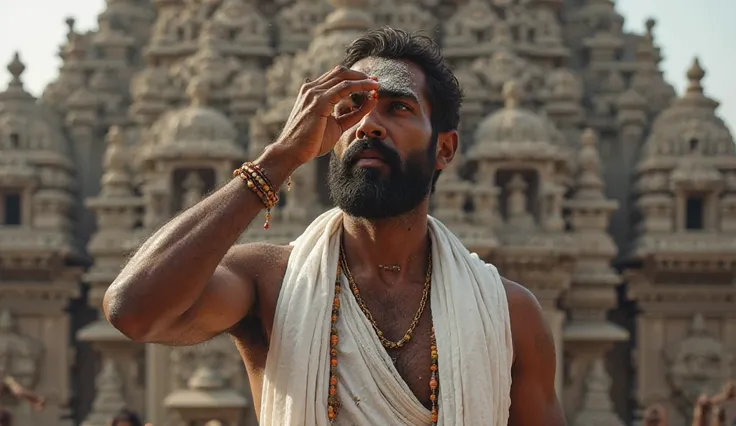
{"x":447,"y":143}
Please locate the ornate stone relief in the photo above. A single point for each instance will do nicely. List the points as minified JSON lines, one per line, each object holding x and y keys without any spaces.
{"x":698,"y":364}
{"x":409,"y":15}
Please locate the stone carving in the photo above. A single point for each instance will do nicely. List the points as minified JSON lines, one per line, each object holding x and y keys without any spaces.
{"x":471,"y":25}
{"x":20,"y":355}
{"x":563,"y":84}
{"x":243,"y":23}
{"x":193,"y":187}
{"x":518,"y":215}
{"x":410,"y":15}
{"x":698,"y":364}
{"x":207,"y":64}
{"x":505,"y":65}
{"x":296,"y":23}
{"x":548,"y":31}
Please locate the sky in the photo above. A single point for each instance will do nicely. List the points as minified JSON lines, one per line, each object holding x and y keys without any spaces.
{"x":685,"y":29}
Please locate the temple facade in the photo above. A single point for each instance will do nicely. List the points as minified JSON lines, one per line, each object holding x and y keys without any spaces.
{"x":582,"y":176}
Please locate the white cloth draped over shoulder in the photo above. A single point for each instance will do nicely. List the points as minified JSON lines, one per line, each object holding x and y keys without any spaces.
{"x":471,"y":320}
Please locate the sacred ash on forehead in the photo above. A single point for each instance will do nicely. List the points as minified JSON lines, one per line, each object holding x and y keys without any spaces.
{"x":393,"y":75}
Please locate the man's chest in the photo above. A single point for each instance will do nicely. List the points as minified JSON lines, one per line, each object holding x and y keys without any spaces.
{"x":396,"y":315}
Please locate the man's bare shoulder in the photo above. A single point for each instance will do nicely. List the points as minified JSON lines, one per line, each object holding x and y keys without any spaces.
{"x":527,"y":320}
{"x":520,"y":298}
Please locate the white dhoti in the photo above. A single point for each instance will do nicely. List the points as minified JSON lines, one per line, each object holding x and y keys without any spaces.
{"x":472,"y":327}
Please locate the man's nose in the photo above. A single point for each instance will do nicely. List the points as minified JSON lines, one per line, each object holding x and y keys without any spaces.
{"x":370,"y":127}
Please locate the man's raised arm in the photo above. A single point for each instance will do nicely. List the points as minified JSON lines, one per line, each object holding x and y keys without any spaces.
{"x":533,"y":398}
{"x":186,"y":284}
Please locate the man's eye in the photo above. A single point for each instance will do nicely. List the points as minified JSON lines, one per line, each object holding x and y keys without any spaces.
{"x":400,"y":106}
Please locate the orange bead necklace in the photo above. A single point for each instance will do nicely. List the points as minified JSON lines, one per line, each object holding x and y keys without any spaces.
{"x":333,"y":402}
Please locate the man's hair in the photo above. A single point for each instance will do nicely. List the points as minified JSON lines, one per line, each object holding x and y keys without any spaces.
{"x":126,"y":415}
{"x":442,"y":87}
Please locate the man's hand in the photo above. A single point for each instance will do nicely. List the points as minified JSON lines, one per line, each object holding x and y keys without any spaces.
{"x":312,"y":128}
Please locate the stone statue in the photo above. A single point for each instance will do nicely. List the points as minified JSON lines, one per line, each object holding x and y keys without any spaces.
{"x":698,"y":365}
{"x":193,"y":190}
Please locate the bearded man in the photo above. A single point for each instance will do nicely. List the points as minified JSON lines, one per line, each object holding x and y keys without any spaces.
{"x":376,"y":314}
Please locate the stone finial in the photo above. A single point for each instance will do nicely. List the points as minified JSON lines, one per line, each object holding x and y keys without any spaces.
{"x":512,"y":94}
{"x":109,"y":398}
{"x":695,"y":75}
{"x":651,"y":23}
{"x":597,"y":407}
{"x":70,"y":21}
{"x":198,"y":91}
{"x":114,"y":156}
{"x":16,"y":69}
{"x":115,"y":179}
{"x":589,"y":182}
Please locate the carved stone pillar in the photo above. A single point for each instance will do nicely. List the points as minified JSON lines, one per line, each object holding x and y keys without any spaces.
{"x":116,"y":209}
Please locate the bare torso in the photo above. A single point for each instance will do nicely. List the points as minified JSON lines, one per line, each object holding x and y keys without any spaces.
{"x":392,"y":308}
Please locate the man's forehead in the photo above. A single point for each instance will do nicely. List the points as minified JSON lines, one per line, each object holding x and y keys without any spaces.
{"x":393,"y":75}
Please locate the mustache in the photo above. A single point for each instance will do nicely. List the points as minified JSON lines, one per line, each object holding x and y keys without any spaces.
{"x":352,"y":154}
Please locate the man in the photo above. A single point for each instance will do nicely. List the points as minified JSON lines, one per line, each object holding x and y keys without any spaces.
{"x":426,"y":334}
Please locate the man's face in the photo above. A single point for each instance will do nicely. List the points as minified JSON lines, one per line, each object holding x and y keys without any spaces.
{"x":384,"y":165}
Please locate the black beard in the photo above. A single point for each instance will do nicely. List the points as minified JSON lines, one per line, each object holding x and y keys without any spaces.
{"x":363,"y":192}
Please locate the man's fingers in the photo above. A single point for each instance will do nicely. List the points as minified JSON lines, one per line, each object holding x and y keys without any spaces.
{"x":346,"y":88}
{"x":352,"y":118}
{"x":325,"y":82}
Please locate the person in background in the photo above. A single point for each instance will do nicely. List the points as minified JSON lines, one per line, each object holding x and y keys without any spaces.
{"x":9,"y":384}
{"x":125,"y":417}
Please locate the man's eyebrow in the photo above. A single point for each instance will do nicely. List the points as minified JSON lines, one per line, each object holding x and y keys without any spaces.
{"x":398,"y":94}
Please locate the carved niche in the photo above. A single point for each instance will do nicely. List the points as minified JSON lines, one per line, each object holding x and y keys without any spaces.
{"x":698,"y":364}
{"x":20,"y":355}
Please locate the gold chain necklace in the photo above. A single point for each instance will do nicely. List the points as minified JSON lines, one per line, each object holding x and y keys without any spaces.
{"x":388,"y":344}
{"x":333,"y":401}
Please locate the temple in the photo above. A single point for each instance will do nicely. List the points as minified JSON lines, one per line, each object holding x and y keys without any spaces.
{"x":582,"y":176}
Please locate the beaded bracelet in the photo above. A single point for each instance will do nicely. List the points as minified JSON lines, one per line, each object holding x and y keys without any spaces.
{"x":255,"y":178}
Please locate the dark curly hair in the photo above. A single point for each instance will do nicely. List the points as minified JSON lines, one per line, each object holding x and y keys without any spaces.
{"x":442,"y":88}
